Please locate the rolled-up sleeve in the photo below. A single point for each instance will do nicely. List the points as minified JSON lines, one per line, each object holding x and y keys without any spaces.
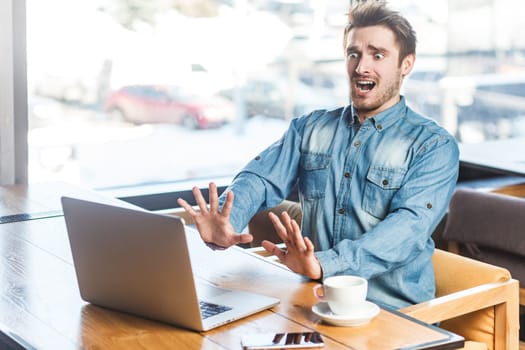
{"x":267,"y":179}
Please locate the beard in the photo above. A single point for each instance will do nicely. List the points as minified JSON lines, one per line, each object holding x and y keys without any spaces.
{"x":382,"y":96}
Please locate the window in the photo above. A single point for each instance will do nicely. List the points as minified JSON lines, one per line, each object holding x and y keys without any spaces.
{"x":164,"y":91}
{"x":126,"y":93}
{"x":470,"y":79}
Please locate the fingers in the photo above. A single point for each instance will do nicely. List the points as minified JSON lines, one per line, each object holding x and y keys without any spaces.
{"x":273,"y":249}
{"x":244,"y":238}
{"x":199,"y":199}
{"x":309,"y":245}
{"x":287,"y":221}
{"x":299,"y":255}
{"x":213,"y":197}
{"x":279,"y":227}
{"x":185,"y":205}
{"x":228,"y":204}
{"x":289,"y":231}
{"x":296,"y":237}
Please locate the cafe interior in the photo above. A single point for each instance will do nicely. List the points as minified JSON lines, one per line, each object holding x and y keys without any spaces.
{"x":140,"y":102}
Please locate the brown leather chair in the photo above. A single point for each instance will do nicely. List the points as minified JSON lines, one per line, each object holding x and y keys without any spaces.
{"x":476,"y":300}
{"x":489,"y":227}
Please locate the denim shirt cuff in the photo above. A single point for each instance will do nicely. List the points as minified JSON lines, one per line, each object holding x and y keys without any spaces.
{"x":329,"y":262}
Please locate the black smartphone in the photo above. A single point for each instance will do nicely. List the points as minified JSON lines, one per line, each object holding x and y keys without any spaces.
{"x":292,"y":340}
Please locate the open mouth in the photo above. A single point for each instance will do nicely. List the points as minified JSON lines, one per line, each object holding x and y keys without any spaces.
{"x":365,"y":85}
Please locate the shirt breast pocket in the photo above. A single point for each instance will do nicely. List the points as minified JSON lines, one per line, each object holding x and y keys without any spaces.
{"x":381,"y":185}
{"x":313,"y":175}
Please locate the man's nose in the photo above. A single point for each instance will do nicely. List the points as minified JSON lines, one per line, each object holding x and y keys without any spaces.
{"x":363,"y":66}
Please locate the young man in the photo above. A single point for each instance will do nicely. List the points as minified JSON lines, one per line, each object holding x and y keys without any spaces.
{"x":374,"y":177}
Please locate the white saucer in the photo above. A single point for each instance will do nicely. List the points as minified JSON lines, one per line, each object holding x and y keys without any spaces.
{"x":365,"y":313}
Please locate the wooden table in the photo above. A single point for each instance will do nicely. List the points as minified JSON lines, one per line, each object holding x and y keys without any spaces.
{"x":40,"y":305}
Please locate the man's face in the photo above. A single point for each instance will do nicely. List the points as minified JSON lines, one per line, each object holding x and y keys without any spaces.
{"x":375,"y":75}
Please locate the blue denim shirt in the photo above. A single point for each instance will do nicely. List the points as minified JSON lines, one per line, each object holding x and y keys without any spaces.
{"x":371,"y":194}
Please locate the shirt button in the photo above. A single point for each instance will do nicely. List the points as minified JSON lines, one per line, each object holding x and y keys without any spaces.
{"x":347,"y":174}
{"x":258,"y":157}
{"x":385,"y":182}
{"x":357,"y":143}
{"x":341,"y":211}
{"x":429,"y":205}
{"x":379,"y":127}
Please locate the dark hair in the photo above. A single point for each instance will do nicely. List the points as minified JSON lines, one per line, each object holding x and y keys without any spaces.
{"x":372,"y":13}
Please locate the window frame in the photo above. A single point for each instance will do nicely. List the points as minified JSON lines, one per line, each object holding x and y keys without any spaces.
{"x":13,"y":93}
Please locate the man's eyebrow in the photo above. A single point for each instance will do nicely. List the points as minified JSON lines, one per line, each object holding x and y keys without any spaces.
{"x":351,"y":48}
{"x":370,"y":47}
{"x":377,"y":48}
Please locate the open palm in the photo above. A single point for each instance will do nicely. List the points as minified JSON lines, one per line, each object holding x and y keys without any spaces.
{"x":213,"y":224}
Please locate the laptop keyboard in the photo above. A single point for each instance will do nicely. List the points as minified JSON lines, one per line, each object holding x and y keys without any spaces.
{"x":209,"y":309}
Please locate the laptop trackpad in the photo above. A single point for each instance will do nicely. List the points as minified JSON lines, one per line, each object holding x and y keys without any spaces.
{"x":207,"y":291}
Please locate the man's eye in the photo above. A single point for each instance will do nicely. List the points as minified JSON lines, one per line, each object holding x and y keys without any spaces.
{"x":379,"y":56}
{"x":353,"y":55}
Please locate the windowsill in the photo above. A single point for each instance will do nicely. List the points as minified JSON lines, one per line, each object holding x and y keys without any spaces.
{"x":491,"y":183}
{"x":163,"y":196}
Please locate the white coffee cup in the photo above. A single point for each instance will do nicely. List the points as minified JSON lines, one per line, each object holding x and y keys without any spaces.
{"x":342,"y":293}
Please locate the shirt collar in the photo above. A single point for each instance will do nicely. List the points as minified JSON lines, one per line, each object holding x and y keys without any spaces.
{"x":351,"y":116}
{"x":381,"y":120}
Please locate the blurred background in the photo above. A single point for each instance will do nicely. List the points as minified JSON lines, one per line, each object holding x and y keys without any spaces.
{"x":134,"y":92}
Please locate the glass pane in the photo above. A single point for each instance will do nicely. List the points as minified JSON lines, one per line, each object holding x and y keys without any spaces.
{"x":470,"y":72}
{"x":134,"y":92}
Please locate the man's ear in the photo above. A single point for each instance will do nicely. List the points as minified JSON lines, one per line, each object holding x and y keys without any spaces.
{"x":408,"y":64}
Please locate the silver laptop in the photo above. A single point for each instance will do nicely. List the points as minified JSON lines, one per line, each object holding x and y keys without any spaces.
{"x":145,"y":263}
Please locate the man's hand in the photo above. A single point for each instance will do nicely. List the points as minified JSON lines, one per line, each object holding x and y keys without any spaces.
{"x":299,"y":254}
{"x":213,"y":225}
